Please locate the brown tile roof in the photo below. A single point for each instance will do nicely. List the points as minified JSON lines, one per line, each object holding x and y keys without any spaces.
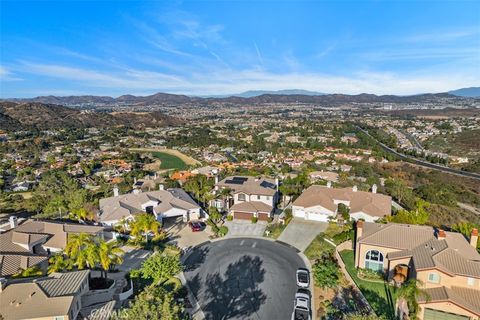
{"x":373,"y":204}
{"x":11,"y":264}
{"x":251,"y":206}
{"x":41,"y":298}
{"x":250,"y":185}
{"x":452,"y":254}
{"x":116,"y":208}
{"x":463,"y":297}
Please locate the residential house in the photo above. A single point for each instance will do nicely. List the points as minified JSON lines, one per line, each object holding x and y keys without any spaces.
{"x":447,"y":265}
{"x":320,"y":203}
{"x":168,"y":203}
{"x":323,"y":175}
{"x":58,"y":296}
{"x":30,"y":244}
{"x":251,"y":196}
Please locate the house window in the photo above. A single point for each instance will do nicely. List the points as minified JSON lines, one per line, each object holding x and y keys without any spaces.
{"x":59,"y":318}
{"x":241,"y":197}
{"x":258,"y":197}
{"x":374,"y":260}
{"x":471,"y":281}
{"x":433,"y":277}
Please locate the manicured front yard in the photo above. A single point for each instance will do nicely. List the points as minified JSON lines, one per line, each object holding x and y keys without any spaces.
{"x":379,"y":295}
{"x":169,"y":161}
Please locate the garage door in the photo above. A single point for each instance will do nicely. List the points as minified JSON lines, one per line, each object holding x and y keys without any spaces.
{"x":299,"y":213}
{"x":242,"y":215}
{"x":263,"y":216}
{"x":431,"y":314}
{"x":317,"y":217}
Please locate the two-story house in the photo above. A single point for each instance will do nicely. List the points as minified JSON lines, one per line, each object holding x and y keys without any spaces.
{"x":250,"y":196}
{"x":447,"y":265}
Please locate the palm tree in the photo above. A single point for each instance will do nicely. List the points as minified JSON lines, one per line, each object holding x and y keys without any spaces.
{"x":109,"y":255}
{"x":57,"y":263}
{"x":411,"y":293}
{"x":226,"y":193}
{"x":143,"y":224}
{"x":80,"y":250}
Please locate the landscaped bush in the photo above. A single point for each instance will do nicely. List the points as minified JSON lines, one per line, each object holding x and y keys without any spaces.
{"x":229,"y":217}
{"x":343,"y":236}
{"x":367,"y":274}
{"x":222,"y":231}
{"x":254,"y":219}
{"x":270,"y":219}
{"x":318,"y":247}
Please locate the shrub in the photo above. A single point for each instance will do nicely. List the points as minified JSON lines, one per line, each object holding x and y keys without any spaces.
{"x":222,"y":231}
{"x":326,"y":272}
{"x":215,"y":229}
{"x":369,"y":274}
{"x":254,"y":219}
{"x":270,"y":219}
{"x":229,"y":217}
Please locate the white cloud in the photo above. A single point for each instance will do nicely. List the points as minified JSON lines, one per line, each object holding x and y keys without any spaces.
{"x":231,"y":81}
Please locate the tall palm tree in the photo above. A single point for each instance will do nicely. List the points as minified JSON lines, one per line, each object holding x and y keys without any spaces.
{"x":143,"y":224}
{"x":226,"y":193}
{"x":80,"y":250}
{"x":109,"y":255}
{"x":411,"y":293}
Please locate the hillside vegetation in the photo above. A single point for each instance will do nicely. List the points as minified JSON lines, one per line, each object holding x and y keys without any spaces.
{"x":25,"y":116}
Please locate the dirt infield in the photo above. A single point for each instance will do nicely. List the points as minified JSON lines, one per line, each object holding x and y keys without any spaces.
{"x":188,"y":160}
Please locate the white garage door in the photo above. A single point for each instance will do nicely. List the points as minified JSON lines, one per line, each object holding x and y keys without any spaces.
{"x":317,"y":216}
{"x":299,"y":213}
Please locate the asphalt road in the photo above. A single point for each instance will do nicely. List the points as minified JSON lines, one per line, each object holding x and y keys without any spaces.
{"x":244,"y":278}
{"x":424,"y":163}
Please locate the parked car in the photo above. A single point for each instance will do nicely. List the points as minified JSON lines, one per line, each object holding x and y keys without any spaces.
{"x":197,"y":226}
{"x":303,"y":278}
{"x":301,"y":309}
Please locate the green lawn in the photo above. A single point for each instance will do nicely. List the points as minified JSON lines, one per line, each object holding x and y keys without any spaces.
{"x":169,"y":161}
{"x":275,"y":230}
{"x":317,"y":247}
{"x":379,"y":295}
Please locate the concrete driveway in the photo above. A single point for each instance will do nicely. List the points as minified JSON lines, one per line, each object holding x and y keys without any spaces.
{"x":243,"y":278}
{"x":133,"y":258}
{"x":182,"y":235}
{"x":299,"y":233}
{"x":238,"y":228}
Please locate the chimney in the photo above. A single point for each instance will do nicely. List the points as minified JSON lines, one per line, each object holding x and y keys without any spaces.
{"x":355,"y":189}
{"x":161,"y":187}
{"x":474,"y":237}
{"x":155,"y":176}
{"x":134,"y":180}
{"x":277,"y":183}
{"x":3,"y":284}
{"x":13,"y":222}
{"x":115,"y":191}
{"x":441,"y":235}
{"x":216,"y":179}
{"x":329,"y":184}
{"x":359,"y":228}
{"x":374,"y":188}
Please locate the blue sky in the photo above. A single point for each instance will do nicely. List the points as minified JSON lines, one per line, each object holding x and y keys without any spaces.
{"x":221,"y":47}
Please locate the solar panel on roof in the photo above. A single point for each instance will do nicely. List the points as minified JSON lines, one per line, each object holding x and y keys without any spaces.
{"x":234,"y":182}
{"x":243,"y":179}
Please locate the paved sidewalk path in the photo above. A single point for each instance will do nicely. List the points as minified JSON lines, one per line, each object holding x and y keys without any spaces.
{"x":299,"y":233}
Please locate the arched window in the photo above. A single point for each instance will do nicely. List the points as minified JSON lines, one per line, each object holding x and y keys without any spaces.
{"x":374,"y":260}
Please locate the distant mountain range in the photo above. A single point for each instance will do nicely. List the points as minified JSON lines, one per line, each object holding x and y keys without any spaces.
{"x":473,"y":92}
{"x":250,"y":97}
{"x":34,"y":115}
{"x":256,"y":93}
